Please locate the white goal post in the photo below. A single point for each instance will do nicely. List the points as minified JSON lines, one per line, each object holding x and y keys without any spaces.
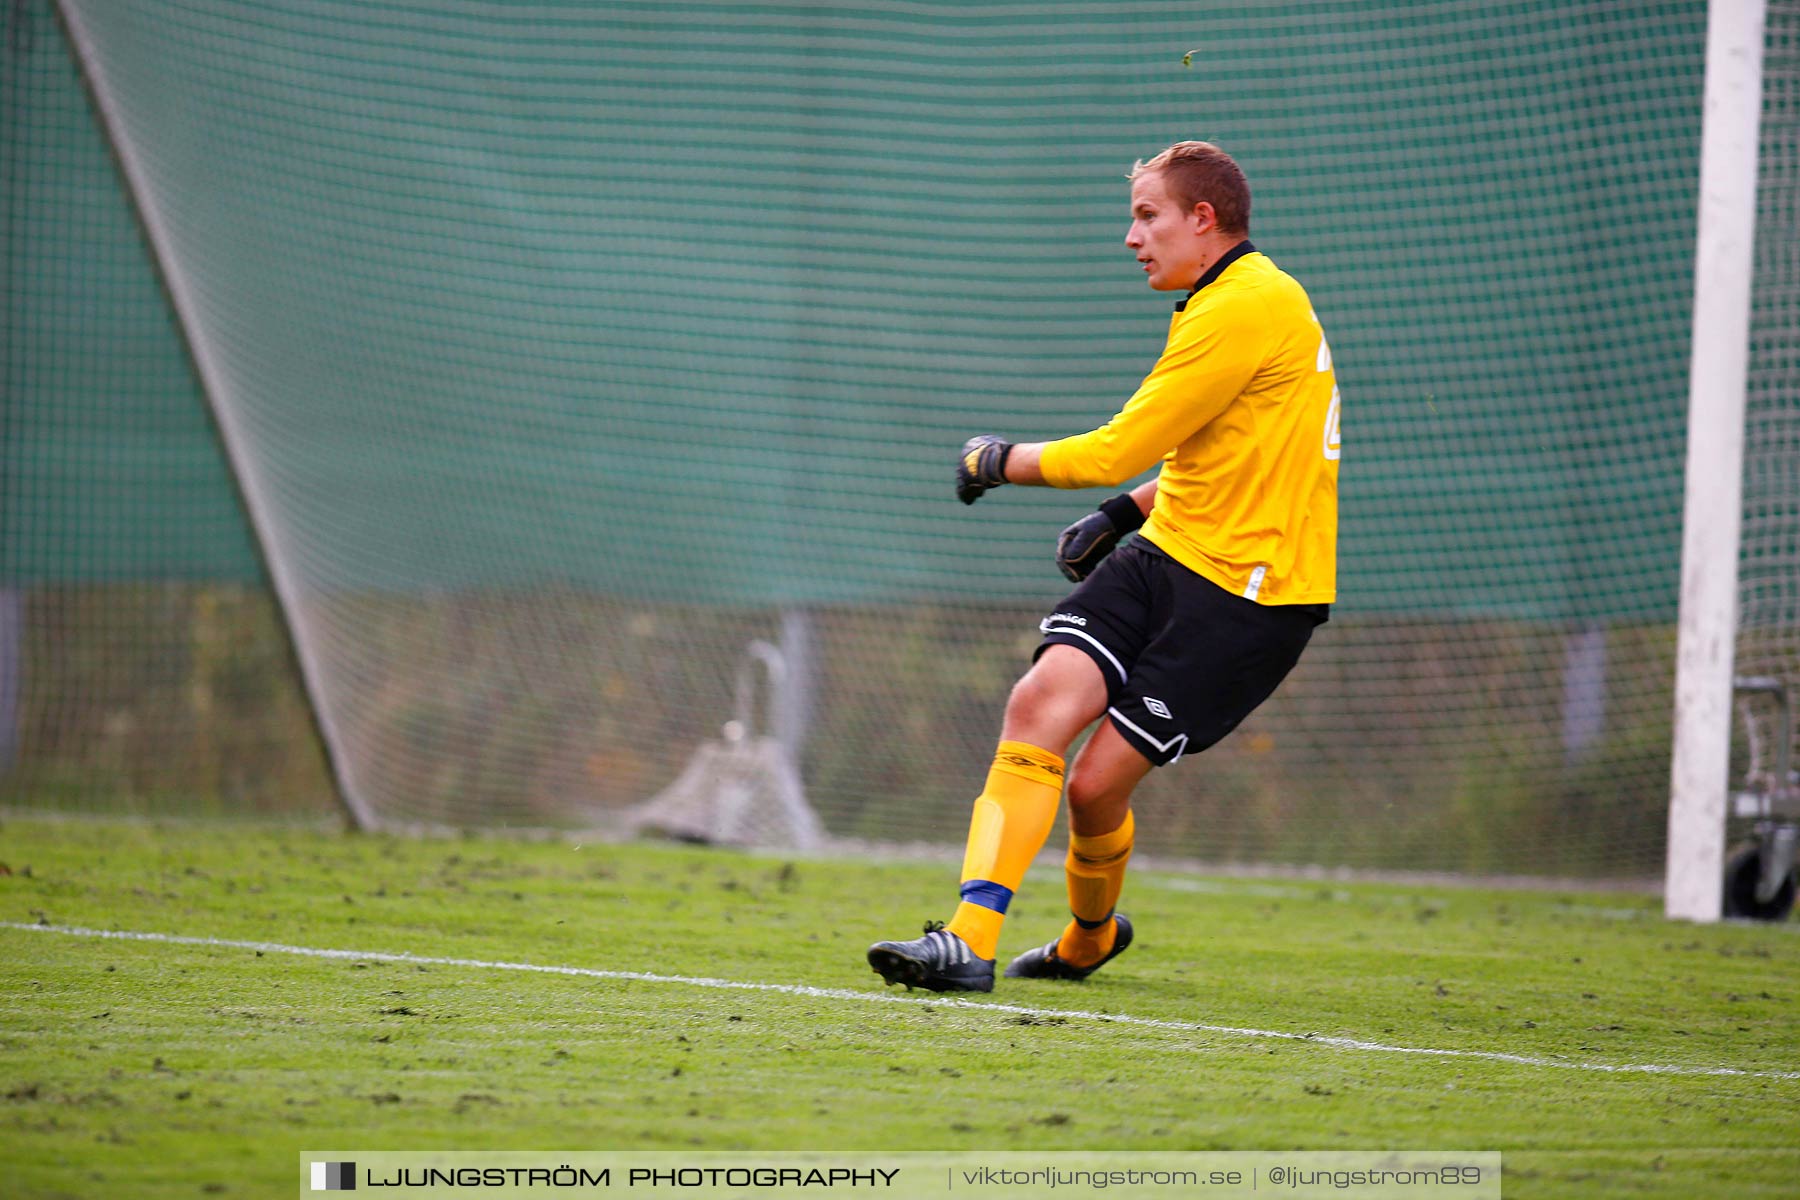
{"x":1712,"y":514}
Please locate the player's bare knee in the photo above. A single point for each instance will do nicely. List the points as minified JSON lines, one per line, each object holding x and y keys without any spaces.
{"x":1030,"y":696}
{"x":1097,"y":804}
{"x":1081,"y":796}
{"x":1044,"y":715}
{"x":1085,"y":793}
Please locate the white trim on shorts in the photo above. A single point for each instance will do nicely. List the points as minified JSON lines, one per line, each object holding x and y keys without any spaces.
{"x":1045,"y":627}
{"x":1178,"y":743}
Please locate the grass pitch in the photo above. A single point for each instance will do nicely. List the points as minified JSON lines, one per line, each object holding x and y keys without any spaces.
{"x":1605,"y":1051}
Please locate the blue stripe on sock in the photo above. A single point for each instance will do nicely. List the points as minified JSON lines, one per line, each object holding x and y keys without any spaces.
{"x":987,"y":895}
{"x":1101,"y":923}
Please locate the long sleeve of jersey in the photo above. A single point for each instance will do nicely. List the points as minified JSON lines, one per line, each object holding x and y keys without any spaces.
{"x":1241,"y":410}
{"x":1215,"y":348}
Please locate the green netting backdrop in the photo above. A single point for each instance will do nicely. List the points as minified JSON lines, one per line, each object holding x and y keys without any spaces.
{"x":1769,"y":581}
{"x":564,"y":349}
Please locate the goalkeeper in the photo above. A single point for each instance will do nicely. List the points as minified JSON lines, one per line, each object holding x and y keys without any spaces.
{"x":1176,"y":636}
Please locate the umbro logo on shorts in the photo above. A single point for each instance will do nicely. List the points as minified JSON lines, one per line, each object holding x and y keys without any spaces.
{"x":1157,"y":706}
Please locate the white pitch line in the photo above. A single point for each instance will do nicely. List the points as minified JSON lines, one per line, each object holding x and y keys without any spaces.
{"x":936,"y":1001}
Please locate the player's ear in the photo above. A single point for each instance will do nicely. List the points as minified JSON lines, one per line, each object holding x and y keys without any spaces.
{"x":1205,"y":218}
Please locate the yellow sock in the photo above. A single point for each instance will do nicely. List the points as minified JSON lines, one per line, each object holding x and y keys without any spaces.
{"x":1096,"y":872}
{"x":1010,"y":824}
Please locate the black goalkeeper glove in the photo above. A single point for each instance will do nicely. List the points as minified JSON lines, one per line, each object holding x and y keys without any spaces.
{"x":980,"y":466}
{"x":1083,"y":544}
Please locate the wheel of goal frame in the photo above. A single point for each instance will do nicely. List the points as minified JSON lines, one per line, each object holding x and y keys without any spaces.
{"x":1743,"y":871}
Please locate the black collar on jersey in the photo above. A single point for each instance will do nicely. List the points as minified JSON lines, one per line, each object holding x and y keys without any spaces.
{"x":1217,"y":269}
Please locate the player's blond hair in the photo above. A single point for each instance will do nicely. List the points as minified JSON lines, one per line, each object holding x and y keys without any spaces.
{"x":1200,"y":171}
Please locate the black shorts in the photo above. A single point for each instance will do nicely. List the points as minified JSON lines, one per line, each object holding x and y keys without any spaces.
{"x":1185,"y":660}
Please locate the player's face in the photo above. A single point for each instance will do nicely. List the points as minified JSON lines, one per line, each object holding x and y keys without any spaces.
{"x":1166,"y":240}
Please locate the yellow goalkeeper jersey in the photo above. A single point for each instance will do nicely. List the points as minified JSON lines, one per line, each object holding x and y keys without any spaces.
{"x":1242,"y":409}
